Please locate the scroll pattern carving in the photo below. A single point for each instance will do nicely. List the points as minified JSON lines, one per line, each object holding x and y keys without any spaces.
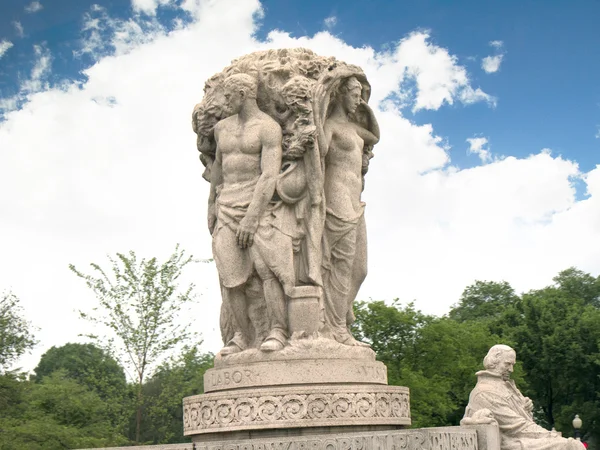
{"x":220,"y":414}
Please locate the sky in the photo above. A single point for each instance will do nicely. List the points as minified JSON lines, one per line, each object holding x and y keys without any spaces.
{"x":487,"y":168}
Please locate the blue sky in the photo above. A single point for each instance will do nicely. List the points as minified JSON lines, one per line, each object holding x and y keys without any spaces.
{"x":547,"y":90}
{"x":487,"y":168}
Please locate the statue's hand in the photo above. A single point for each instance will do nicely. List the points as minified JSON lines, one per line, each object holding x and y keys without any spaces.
{"x":528,"y":404}
{"x":246,"y":231}
{"x":212,"y":219}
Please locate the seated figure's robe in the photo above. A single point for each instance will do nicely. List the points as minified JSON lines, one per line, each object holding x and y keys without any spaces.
{"x":508,"y":406}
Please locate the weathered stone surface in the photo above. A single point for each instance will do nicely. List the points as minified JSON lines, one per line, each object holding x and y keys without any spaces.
{"x":189,"y":446}
{"x":296,"y":407}
{"x":497,"y":400}
{"x":447,"y":438}
{"x":308,"y":347}
{"x":286,"y":137}
{"x":294,"y":372}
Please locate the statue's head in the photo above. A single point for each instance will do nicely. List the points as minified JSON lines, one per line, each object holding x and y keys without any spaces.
{"x":237,"y":88}
{"x":500,"y":359}
{"x":349,"y":94}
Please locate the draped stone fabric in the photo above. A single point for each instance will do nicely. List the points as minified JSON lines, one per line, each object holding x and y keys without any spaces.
{"x":507,"y":406}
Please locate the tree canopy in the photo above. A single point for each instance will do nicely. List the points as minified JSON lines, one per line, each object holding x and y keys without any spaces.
{"x":80,"y":397}
{"x":15,"y":332}
{"x":139,"y":302}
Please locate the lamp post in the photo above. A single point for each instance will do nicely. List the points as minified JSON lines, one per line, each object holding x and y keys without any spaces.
{"x":577,"y":425}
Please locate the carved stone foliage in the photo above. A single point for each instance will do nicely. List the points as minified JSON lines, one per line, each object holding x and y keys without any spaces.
{"x":296,"y":407}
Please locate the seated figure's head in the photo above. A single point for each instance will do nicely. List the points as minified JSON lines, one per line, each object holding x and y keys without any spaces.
{"x":501,"y":360}
{"x":238,"y":88}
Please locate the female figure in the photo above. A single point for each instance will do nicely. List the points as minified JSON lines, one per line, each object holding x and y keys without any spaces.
{"x":343,"y":142}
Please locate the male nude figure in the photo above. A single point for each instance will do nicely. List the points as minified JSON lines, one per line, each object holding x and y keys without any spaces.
{"x":345,"y":234}
{"x":240,"y":217}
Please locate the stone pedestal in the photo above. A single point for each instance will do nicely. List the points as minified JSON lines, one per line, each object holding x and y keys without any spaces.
{"x":296,"y":394}
{"x":289,"y":393}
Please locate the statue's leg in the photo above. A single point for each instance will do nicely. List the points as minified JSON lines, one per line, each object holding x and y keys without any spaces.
{"x":235,"y":268}
{"x":276,"y":306}
{"x":337,"y":282}
{"x":235,"y":298}
{"x":359,"y":268}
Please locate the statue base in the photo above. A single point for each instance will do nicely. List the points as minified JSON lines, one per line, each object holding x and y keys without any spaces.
{"x":292,"y":407}
{"x":444,"y":438}
{"x":292,"y":372}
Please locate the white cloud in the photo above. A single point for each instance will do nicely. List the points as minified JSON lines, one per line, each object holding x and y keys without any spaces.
{"x":19,"y":28}
{"x":39,"y":72}
{"x":34,"y":7}
{"x":415,"y":71}
{"x":491,"y":64}
{"x":4,"y":47}
{"x":330,"y":22}
{"x":36,"y":81}
{"x":148,"y":7}
{"x":438,"y":76}
{"x":110,"y":165}
{"x":104,"y":35}
{"x":480,"y":147}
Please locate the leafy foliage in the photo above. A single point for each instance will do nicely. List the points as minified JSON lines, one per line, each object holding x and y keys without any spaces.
{"x":55,"y":413}
{"x":15,"y":332}
{"x":558,"y":342}
{"x":94,"y":368}
{"x":79,"y":396}
{"x":140,"y":304}
{"x":435,"y":357}
{"x":163,"y":393}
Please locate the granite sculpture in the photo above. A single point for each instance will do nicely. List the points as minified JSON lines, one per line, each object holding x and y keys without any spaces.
{"x":497,"y":400}
{"x":286,"y":137}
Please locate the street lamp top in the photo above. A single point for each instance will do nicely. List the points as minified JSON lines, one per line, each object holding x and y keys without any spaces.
{"x":577,"y":422}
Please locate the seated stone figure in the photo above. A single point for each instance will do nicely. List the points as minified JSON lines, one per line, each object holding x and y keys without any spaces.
{"x":496,"y":399}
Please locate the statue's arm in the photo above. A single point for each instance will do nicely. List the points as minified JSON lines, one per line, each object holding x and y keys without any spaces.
{"x":216,"y":178}
{"x":510,"y":421}
{"x":371,"y":135}
{"x":324,"y":134}
{"x":270,"y":163}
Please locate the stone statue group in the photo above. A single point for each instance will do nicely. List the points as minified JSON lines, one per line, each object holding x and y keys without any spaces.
{"x":286,"y":137}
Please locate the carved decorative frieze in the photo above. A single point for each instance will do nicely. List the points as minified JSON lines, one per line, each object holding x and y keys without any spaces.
{"x":296,"y":407}
{"x":446,"y":438}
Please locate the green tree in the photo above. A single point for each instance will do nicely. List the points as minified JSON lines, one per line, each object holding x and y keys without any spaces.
{"x":53,"y":414}
{"x":177,"y":378}
{"x":435,"y":357}
{"x":558,"y":344}
{"x":580,"y":285}
{"x":93,"y":368}
{"x":484,"y":301}
{"x":140,"y":303}
{"x":15,"y":332}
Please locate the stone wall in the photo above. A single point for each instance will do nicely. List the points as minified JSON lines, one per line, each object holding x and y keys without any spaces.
{"x":480,"y":437}
{"x":189,"y":446}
